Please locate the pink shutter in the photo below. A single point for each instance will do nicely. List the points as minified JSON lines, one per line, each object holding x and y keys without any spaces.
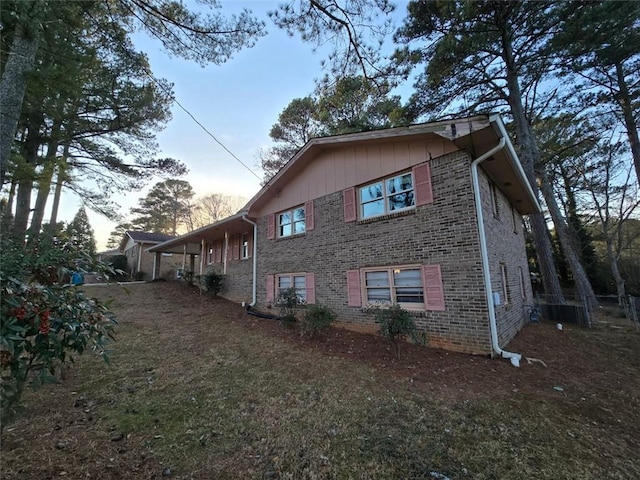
{"x":218,"y":252}
{"x":270,"y":285}
{"x":353,"y":288}
{"x":271,"y":226}
{"x":310,"y":284}
{"x":433,"y":289}
{"x":250,"y":244}
{"x":236,"y":247}
{"x":422,"y":184}
{"x":349,"y":204}
{"x":310,"y":221}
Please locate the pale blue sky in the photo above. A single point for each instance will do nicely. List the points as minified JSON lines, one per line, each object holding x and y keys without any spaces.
{"x":237,"y":101}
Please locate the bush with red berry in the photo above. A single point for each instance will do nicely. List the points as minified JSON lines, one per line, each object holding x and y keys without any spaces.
{"x":44,"y":321}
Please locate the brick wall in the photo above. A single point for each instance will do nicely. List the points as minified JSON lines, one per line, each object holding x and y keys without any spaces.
{"x":443,"y":232}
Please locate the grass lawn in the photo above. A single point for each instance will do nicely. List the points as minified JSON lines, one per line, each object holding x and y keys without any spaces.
{"x":198,"y":389}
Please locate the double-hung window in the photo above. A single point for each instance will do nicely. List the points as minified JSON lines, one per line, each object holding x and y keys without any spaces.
{"x":291,"y":222}
{"x":400,"y":285}
{"x":386,"y":196}
{"x":244,"y":246}
{"x":299,"y":282}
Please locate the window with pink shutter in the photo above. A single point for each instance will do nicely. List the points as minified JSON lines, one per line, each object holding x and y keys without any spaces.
{"x":236,"y":247}
{"x":349,"y":204}
{"x":353,"y":288}
{"x":433,"y":288}
{"x":422,"y":184}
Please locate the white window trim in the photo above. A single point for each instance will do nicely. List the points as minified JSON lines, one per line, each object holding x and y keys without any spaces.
{"x":504,"y":284}
{"x":385,"y":196}
{"x":244,"y":246}
{"x":291,"y":276}
{"x":389,"y":269}
{"x":293,"y":222}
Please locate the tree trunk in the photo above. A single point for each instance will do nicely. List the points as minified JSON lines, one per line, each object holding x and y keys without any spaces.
{"x":44,"y":188}
{"x":530,"y":158}
{"x":44,"y":179}
{"x":60,"y":180}
{"x":629,"y":121}
{"x":615,"y":271}
{"x":12,"y":90}
{"x":568,"y":245}
{"x":27,"y":176}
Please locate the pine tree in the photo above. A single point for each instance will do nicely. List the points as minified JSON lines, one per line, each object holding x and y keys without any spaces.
{"x":80,"y":234}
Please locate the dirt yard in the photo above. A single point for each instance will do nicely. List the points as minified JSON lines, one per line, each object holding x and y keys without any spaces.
{"x":196,"y":388}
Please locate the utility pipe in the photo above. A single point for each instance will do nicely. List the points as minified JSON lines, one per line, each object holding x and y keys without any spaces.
{"x":254,"y":294}
{"x":513,"y":357}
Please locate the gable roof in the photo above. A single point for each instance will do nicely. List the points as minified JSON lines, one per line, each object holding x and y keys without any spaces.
{"x":143,"y":237}
{"x":475,"y":135}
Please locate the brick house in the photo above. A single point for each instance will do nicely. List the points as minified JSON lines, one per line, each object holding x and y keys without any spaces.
{"x":140,"y":263}
{"x":427,"y":216}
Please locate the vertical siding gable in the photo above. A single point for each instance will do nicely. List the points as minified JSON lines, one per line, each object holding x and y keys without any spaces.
{"x":353,"y":288}
{"x":433,"y":288}
{"x":349,"y":204}
{"x":270,"y":287}
{"x":423,"y":187}
{"x":310,"y":284}
{"x":271,"y":226}
{"x":310,"y":219}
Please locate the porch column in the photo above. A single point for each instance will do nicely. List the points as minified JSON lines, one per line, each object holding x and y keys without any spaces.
{"x":225,"y":253}
{"x":157,"y":260}
{"x":201,"y":256}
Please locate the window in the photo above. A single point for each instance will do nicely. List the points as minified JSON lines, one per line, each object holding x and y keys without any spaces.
{"x":494,"y":199}
{"x":245,"y":245}
{"x":387,"y":196}
{"x":297,"y":281}
{"x":504,"y":290}
{"x":291,"y":222}
{"x":523,"y":291}
{"x":210,"y":255}
{"x":401,"y":285}
{"x":514,"y":219}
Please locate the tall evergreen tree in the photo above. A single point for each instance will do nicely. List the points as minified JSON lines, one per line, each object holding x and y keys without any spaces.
{"x":80,"y":233}
{"x":165,"y":208}
{"x":494,"y":55}
{"x":350,"y":104}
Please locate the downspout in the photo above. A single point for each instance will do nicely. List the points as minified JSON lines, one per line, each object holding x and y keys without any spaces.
{"x":254,"y":294}
{"x":513,"y":357}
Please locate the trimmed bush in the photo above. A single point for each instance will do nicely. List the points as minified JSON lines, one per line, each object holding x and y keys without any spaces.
{"x":288,"y":301}
{"x":317,"y":319}
{"x":213,"y":282}
{"x":397,"y":324}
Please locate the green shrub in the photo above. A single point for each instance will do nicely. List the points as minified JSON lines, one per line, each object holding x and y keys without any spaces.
{"x":288,"y":301}
{"x":316,"y":319}
{"x":45,"y":322}
{"x":213,"y":282}
{"x":396,"y":324}
{"x":119,"y":263}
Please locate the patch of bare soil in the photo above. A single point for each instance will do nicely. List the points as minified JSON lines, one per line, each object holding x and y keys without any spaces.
{"x":591,"y":373}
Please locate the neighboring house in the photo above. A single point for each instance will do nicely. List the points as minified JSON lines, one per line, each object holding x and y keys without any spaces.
{"x":107,"y":254}
{"x":140,"y":263}
{"x":388,"y":216}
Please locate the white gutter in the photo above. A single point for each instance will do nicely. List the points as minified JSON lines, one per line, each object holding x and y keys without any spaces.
{"x":254,"y":294}
{"x":514,"y":357}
